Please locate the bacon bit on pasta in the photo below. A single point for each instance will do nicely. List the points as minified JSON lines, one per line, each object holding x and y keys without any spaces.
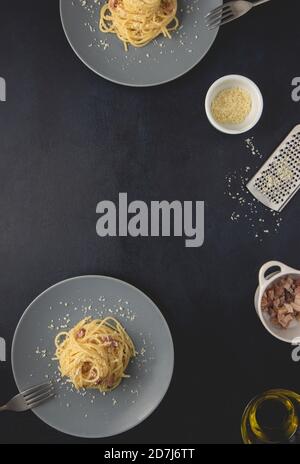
{"x":93,"y":375}
{"x":113,"y":3}
{"x":80,"y":333}
{"x":86,"y":367}
{"x":109,"y":341}
{"x":110,"y":381}
{"x":167,"y":6}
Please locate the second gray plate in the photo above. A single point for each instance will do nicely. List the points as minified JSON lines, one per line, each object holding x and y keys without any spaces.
{"x":90,"y":414}
{"x":161,"y":61}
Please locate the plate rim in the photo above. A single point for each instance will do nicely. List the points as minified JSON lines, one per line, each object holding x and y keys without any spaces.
{"x":128,"y":84}
{"x":127,"y":284}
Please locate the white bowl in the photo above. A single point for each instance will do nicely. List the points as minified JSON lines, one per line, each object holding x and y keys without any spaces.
{"x":265,"y":280}
{"x":257,"y":103}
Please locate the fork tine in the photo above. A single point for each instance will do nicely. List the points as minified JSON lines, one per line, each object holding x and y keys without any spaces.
{"x":37,"y":403}
{"x":41,"y":390}
{"x":223,"y":20}
{"x":218,"y":11}
{"x":43,"y":396}
{"x":214,"y":11}
{"x":33,"y":389}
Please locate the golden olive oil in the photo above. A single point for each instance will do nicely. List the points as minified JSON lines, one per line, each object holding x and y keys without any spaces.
{"x":273,"y":417}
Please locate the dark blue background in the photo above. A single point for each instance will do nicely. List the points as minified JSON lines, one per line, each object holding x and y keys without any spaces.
{"x":69,"y":139}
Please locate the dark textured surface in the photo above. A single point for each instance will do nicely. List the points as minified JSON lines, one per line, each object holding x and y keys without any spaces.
{"x":70,"y":139}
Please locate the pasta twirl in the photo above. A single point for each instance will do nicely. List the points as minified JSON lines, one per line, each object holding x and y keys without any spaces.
{"x":138,"y":22}
{"x":95,"y":353}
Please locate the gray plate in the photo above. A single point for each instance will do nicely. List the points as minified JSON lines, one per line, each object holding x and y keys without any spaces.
{"x":91,"y":414}
{"x":160,"y":61}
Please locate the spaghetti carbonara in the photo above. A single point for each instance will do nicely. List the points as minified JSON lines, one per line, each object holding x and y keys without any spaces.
{"x":95,"y":353}
{"x":137,"y":22}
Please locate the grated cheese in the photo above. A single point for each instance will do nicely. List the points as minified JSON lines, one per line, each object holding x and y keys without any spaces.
{"x":231,"y":106}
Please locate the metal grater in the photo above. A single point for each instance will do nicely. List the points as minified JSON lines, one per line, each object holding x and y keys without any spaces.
{"x":278,"y":179}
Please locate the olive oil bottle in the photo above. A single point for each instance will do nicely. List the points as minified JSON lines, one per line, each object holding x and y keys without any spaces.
{"x":273,"y":417}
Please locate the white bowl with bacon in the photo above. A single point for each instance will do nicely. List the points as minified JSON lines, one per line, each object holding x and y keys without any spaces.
{"x":277,"y":301}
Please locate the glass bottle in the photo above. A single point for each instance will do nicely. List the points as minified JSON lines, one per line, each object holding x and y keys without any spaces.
{"x":273,"y":417}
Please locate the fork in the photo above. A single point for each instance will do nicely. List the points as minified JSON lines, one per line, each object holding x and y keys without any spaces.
{"x":30,"y":398}
{"x":229,"y":12}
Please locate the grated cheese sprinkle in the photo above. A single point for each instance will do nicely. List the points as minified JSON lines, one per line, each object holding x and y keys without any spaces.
{"x":231,"y":106}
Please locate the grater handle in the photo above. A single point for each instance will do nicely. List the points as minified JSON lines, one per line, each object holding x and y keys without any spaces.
{"x":282,"y":269}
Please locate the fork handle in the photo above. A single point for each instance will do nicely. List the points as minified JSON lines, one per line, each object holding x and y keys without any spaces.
{"x":259,"y":2}
{"x":3,"y":408}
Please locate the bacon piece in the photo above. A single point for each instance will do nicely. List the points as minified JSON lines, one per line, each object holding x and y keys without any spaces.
{"x":93,"y":375}
{"x":285,"y":317}
{"x":110,"y":381}
{"x":264,"y":302}
{"x":288,"y":308}
{"x":109,"y":341}
{"x":271,"y":294}
{"x":278,"y":290}
{"x":86,"y":367}
{"x":80,"y":333}
{"x":289,"y":296}
{"x":277,"y":303}
{"x":113,"y":3}
{"x":167,"y":6}
{"x":296,"y":307}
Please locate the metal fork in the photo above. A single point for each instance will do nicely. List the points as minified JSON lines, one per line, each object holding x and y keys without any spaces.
{"x":30,"y":398}
{"x":229,"y":12}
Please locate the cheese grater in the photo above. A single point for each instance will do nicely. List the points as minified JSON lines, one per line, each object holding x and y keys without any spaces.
{"x":278,"y":179}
